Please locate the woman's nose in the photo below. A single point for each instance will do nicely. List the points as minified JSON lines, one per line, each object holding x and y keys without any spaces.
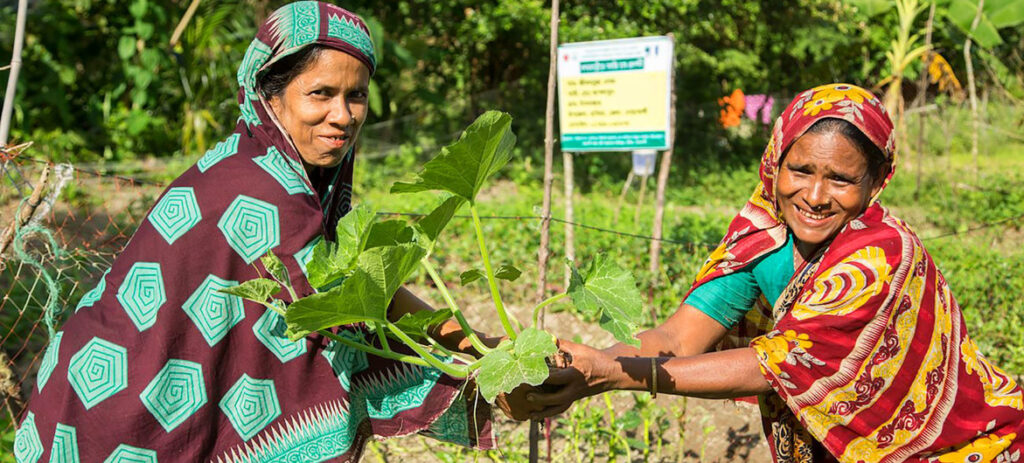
{"x":340,"y":114}
{"x":817,"y":196}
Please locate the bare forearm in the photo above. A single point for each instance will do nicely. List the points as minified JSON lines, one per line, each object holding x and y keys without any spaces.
{"x":687,"y":332}
{"x":726,"y":374}
{"x":448,"y":334}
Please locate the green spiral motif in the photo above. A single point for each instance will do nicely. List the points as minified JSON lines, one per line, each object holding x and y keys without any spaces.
{"x":277,"y":165}
{"x":125,"y":453}
{"x":176,"y":213}
{"x":221,"y":150}
{"x":94,"y":294}
{"x":27,"y":446}
{"x":250,"y":227}
{"x":49,"y":361}
{"x":214,"y":313}
{"x":344,"y":360}
{"x":142,"y":293}
{"x":175,"y":393}
{"x":65,"y":445}
{"x":269,"y":329}
{"x":251,"y":405}
{"x":306,"y":254}
{"x":98,"y":371}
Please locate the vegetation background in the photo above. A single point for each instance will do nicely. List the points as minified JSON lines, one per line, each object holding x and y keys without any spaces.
{"x":103,"y":88}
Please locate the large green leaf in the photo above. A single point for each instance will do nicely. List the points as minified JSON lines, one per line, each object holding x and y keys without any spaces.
{"x":433,"y":223}
{"x":962,"y":12}
{"x":609,"y":293}
{"x":334,"y":260}
{"x":464,"y":166}
{"x":389,"y":233}
{"x":1004,"y":13}
{"x":519,"y":362}
{"x":258,"y":290}
{"x":364,"y":295}
{"x":417,"y":324}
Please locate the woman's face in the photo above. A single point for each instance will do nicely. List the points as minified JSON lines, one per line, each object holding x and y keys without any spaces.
{"x":823,"y":184}
{"x":323,"y":108}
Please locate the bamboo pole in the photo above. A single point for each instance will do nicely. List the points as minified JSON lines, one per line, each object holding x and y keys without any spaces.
{"x":970,"y":88}
{"x":15,"y":68}
{"x":543,"y":254}
{"x":570,"y":231}
{"x":919,"y":99}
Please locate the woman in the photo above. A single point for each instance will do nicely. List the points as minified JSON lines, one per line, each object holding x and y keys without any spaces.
{"x":847,"y":330}
{"x":156,"y":364}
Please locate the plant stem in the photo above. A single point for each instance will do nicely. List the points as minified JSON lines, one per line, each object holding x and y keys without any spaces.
{"x":439,"y":347}
{"x":502,"y":315}
{"x":383,"y":336}
{"x":372,"y":350}
{"x":451,"y":370}
{"x":466,"y":329}
{"x":548,"y":301}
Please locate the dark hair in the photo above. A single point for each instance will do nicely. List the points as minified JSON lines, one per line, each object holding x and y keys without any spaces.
{"x":272,"y":82}
{"x":878,"y":166}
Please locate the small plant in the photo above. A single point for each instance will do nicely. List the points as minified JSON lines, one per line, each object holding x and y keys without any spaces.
{"x":357,"y":275}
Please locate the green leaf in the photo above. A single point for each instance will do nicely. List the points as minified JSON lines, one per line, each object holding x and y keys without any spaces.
{"x":126,"y":47}
{"x":1004,"y":13}
{"x":503,"y":369}
{"x":334,"y":260}
{"x":434,"y":223}
{"x":418,"y":323}
{"x":275,"y":267}
{"x":470,"y":276}
{"x":464,"y":166}
{"x":962,"y":12}
{"x":363,"y":296}
{"x":258,"y":290}
{"x":507,"y":272}
{"x":870,"y":8}
{"x":609,"y":293}
{"x":389,"y":233}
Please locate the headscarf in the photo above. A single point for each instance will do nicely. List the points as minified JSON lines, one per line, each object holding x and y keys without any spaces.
{"x":156,"y":364}
{"x":866,"y":349}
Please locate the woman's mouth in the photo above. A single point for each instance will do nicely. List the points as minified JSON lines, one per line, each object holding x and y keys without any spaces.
{"x":335,"y":141}
{"x":813,"y":218}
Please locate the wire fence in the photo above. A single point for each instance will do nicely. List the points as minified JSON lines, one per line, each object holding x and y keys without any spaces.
{"x":62,"y":245}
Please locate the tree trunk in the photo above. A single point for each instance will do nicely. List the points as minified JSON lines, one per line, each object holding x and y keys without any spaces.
{"x":971,"y":91}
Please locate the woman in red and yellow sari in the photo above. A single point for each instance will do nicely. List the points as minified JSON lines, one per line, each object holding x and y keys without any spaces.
{"x":828,"y":308}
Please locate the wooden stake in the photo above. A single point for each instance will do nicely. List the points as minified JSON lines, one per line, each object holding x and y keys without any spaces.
{"x":545,"y":227}
{"x":640,"y":200}
{"x":919,"y":99}
{"x":970,"y":88}
{"x":622,"y":197}
{"x":570,"y":231}
{"x":659,"y":207}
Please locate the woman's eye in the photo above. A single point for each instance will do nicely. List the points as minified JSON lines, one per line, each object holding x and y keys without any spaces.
{"x":358,"y":95}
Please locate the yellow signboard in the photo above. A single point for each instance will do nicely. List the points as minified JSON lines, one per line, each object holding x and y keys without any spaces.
{"x":614,"y":95}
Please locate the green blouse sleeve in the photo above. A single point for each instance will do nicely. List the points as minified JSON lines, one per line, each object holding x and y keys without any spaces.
{"x":728,"y":298}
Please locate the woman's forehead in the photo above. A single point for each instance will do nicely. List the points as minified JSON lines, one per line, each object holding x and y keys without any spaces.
{"x":831,"y":150}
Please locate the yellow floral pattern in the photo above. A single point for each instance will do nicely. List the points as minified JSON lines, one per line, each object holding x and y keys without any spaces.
{"x":984,"y":448}
{"x":839,"y":92}
{"x":1000,"y":389}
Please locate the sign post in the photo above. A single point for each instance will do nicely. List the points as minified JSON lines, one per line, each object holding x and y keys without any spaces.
{"x":616,"y":95}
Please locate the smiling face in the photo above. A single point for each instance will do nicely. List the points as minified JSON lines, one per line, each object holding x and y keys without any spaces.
{"x":823,"y":183}
{"x":323,"y":107}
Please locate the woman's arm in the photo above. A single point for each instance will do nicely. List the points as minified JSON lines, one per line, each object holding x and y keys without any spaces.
{"x":687,"y":332}
{"x":726,"y":374}
{"x":449,"y":334}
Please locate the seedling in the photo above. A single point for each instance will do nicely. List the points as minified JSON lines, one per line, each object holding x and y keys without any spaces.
{"x":358,"y":273}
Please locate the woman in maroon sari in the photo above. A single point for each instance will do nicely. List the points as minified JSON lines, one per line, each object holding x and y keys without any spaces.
{"x":841,"y":322}
{"x":156,"y":364}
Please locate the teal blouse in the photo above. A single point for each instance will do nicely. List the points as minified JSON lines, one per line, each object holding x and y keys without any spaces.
{"x":728,"y":298}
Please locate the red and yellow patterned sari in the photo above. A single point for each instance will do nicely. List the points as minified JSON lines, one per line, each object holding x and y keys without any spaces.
{"x":867,"y":350}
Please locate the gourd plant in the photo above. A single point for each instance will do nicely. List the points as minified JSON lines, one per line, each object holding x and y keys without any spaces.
{"x":357,"y":275}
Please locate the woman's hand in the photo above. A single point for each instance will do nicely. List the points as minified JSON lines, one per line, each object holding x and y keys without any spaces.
{"x":588,"y":372}
{"x":515,"y":405}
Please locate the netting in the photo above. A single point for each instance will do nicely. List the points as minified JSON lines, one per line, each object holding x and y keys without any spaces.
{"x":56,"y":244}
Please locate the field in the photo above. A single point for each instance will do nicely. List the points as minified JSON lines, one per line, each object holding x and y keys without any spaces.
{"x":968,"y":217}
